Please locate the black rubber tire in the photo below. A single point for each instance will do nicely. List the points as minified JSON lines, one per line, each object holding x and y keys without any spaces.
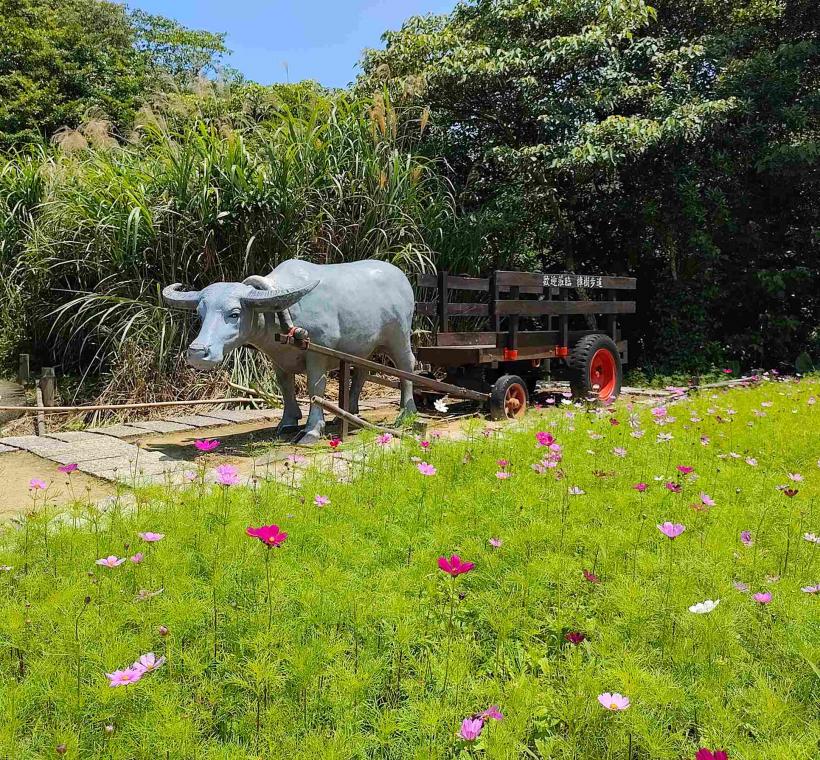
{"x":505,"y":385}
{"x":579,"y":362}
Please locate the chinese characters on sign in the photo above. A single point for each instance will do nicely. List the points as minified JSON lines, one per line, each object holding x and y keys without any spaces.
{"x":573,"y":281}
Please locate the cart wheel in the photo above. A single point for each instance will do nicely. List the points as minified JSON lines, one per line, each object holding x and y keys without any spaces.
{"x":595,"y":368}
{"x":508,"y":398}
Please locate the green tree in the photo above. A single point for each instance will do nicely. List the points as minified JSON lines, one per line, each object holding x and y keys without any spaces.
{"x":678,"y":142}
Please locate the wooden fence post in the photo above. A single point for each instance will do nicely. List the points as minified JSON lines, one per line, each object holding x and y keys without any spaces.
{"x":48,"y":385}
{"x":24,"y":372}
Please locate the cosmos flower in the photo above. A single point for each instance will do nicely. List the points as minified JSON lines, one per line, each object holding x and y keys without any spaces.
{"x":110,"y":561}
{"x":321,"y":501}
{"x":703,"y":608}
{"x":762,"y":597}
{"x":424,"y":444}
{"x":640,"y":487}
{"x":270,"y":535}
{"x":673,"y":487}
{"x":796,"y":477}
{"x":671,"y":530}
{"x":615,"y":702}
{"x":440,"y":406}
{"x":576,"y":491}
{"x":574,"y":637}
{"x":151,"y":537}
{"x":503,"y":475}
{"x":137,"y":558}
{"x":619,"y":452}
{"x":740,"y":586}
{"x":492,"y":712}
{"x":206,"y":445}
{"x":384,"y":439}
{"x":591,"y":577}
{"x":810,"y":589}
{"x":426,"y":469}
{"x":812,"y":538}
{"x":704,"y":440}
{"x":664,"y":437}
{"x":455,"y":566}
{"x":751,"y":461}
{"x":706,"y":500}
{"x":746,"y":538}
{"x":707,"y":754}
{"x":68,"y":468}
{"x":470,"y":729}
{"x":544,"y":439}
{"x":495,"y":543}
{"x":35,"y":484}
{"x":333,"y":443}
{"x":124,"y":677}
{"x":227,"y":475}
{"x":684,"y":469}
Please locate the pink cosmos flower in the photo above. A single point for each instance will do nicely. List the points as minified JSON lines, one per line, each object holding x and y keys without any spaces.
{"x":741,"y":586}
{"x":576,"y":491}
{"x":151,"y":537}
{"x":796,"y":477}
{"x":673,"y":487}
{"x":574,"y":637}
{"x":426,"y":469}
{"x":704,"y":440}
{"x":124,"y":677}
{"x":227,"y":475}
{"x":762,"y":597}
{"x":270,"y":535}
{"x":111,"y":561}
{"x":706,"y":500}
{"x":811,"y":538}
{"x":727,"y":371}
{"x":619,"y":452}
{"x":746,"y":537}
{"x":503,"y":475}
{"x":455,"y":565}
{"x":615,"y":702}
{"x":810,"y":589}
{"x":707,"y":754}
{"x":495,"y":543}
{"x":384,"y":439}
{"x":206,"y":445}
{"x":640,"y":487}
{"x":137,"y":558}
{"x":35,"y":484}
{"x":148,"y":663}
{"x":321,"y":501}
{"x":68,"y":468}
{"x":591,"y":577}
{"x":424,"y":444}
{"x":492,"y":712}
{"x":503,"y":463}
{"x":544,"y":439}
{"x":659,"y":412}
{"x":684,"y":469}
{"x":470,"y":729}
{"x":333,"y":443}
{"x":751,"y":461}
{"x":671,"y":530}
{"x":297,"y":458}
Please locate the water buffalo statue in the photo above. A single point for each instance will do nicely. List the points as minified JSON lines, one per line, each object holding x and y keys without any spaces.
{"x":361,"y":308}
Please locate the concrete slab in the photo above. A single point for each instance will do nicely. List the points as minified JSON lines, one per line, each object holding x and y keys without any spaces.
{"x":78,"y":436}
{"x":4,"y":448}
{"x":41,"y":446}
{"x":118,"y":431}
{"x":196,"y":420}
{"x":231,"y":415}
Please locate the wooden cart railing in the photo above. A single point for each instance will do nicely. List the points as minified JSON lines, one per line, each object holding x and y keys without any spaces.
{"x":505,"y":299}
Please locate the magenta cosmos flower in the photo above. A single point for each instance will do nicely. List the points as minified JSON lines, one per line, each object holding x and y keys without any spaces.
{"x":455,"y":565}
{"x":35,"y":484}
{"x":334,"y":443}
{"x":426,"y":469}
{"x":227,"y":475}
{"x":68,"y":468}
{"x":270,"y":535}
{"x":544,"y":439}
{"x":640,"y":487}
{"x":151,"y":537}
{"x":591,"y":577}
{"x":746,"y":537}
{"x":124,"y":677}
{"x":762,"y":597}
{"x":111,"y":561}
{"x":470,"y":729}
{"x":671,"y":530}
{"x":684,"y":469}
{"x":321,"y":501}
{"x":708,"y":754}
{"x":384,"y":439}
{"x":206,"y":445}
{"x":574,"y":637}
{"x":673,"y":487}
{"x":614,"y":702}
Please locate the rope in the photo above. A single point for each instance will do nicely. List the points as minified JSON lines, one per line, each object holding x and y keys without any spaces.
{"x":112,"y":407}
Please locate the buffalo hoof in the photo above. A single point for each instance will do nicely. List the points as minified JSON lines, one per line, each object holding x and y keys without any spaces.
{"x":287,"y":429}
{"x":307,"y":439}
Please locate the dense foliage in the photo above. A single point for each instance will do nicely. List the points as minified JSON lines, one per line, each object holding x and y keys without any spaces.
{"x":63,"y":60}
{"x":217,"y":184}
{"x":675,"y":140}
{"x":348,"y":641}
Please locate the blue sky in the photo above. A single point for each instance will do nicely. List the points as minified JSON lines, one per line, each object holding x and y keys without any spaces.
{"x":316,"y":39}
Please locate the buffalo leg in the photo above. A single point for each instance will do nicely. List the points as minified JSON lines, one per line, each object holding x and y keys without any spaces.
{"x":291,"y":414}
{"x":404,"y":360}
{"x":317,"y":369}
{"x":356,"y":384}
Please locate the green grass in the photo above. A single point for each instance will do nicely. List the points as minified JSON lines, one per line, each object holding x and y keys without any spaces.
{"x":362,"y":659}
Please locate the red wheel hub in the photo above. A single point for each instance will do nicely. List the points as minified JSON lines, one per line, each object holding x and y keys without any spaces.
{"x":515,"y":401}
{"x":603,"y":374}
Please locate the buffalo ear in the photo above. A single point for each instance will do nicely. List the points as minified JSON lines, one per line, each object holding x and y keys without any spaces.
{"x":275,"y":298}
{"x":180,"y":299}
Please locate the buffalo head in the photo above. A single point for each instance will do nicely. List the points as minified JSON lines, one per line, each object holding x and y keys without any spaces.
{"x":228,"y":312}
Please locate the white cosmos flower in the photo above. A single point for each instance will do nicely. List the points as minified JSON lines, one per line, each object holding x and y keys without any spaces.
{"x":440,"y":406}
{"x":701,"y":608}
